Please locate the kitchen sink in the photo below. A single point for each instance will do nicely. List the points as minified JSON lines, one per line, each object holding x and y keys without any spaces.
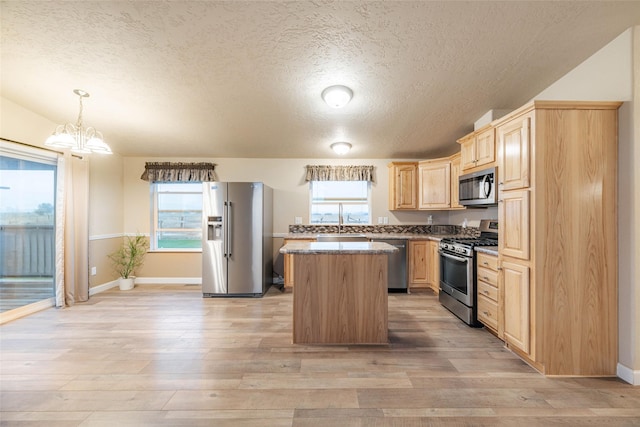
{"x":335,"y":237}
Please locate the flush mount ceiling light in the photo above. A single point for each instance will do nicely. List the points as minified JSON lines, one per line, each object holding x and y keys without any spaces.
{"x":341,"y":147}
{"x":337,"y":96}
{"x":76,"y":137}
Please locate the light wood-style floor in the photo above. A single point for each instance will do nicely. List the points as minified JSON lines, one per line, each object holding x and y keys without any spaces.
{"x":164,"y":356}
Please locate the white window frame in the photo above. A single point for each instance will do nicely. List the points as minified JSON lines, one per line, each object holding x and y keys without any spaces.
{"x":344,"y":201}
{"x":153,"y":240}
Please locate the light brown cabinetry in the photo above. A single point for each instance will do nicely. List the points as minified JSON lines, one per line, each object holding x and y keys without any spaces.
{"x":434,"y":184}
{"x":288,"y":262}
{"x":433,"y":269}
{"x":478,"y":149}
{"x":517,"y":323}
{"x":514,"y":152}
{"x":403,"y":185}
{"x":418,"y":264}
{"x":456,"y":171}
{"x":513,"y":217}
{"x":424,"y":265}
{"x":557,"y":168}
{"x":490,"y":305}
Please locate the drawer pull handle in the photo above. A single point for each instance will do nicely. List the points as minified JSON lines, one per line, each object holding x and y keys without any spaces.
{"x":485,"y":277}
{"x":485,"y":263}
{"x":485,"y":292}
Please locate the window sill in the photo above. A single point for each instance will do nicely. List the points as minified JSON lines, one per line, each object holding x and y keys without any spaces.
{"x":170,"y":250}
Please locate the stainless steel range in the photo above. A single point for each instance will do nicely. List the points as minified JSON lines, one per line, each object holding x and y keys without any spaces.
{"x":458,"y":271}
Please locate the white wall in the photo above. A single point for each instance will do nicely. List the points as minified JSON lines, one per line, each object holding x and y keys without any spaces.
{"x":613,"y":74}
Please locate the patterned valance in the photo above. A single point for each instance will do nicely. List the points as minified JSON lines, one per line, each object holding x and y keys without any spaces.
{"x":178,"y":172}
{"x":339,"y":173}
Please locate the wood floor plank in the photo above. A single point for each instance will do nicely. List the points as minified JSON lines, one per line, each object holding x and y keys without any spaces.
{"x":164,"y":356}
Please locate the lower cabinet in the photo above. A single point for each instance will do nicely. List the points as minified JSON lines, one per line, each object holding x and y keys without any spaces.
{"x":424,"y":265}
{"x":490,"y":294}
{"x":433,"y":268}
{"x":418,"y":259}
{"x":288,"y":262}
{"x":517,"y":324}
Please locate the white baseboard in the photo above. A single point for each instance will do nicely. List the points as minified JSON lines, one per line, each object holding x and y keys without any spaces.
{"x":628,"y":374}
{"x":103,"y":287}
{"x":168,"y":280}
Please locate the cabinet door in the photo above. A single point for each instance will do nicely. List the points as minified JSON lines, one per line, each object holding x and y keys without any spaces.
{"x":435,"y":185}
{"x":434,"y":267}
{"x":513,"y":217}
{"x":516,"y":305}
{"x":468,"y":153}
{"x":485,"y":147}
{"x":418,"y":264}
{"x":513,"y":147}
{"x":455,"y":185}
{"x":403,"y":191}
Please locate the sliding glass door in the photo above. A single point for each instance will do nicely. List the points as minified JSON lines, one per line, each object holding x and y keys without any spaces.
{"x":27,"y":227}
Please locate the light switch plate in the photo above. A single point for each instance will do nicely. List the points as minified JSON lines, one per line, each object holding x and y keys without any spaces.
{"x":298,"y":220}
{"x":94,"y":271}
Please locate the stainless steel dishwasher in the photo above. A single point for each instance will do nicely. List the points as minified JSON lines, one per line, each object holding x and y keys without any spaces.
{"x":397,"y":270}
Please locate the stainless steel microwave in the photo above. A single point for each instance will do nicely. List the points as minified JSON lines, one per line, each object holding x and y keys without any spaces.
{"x":478,"y":189}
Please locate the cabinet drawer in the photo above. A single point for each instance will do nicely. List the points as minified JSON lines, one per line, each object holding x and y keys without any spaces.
{"x":488,"y":291}
{"x":488,"y":312}
{"x":488,"y":276}
{"x":487,"y":261}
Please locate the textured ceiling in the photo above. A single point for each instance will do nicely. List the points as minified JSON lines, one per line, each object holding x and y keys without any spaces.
{"x":243,"y":79}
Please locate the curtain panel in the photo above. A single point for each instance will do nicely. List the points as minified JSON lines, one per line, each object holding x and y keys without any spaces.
{"x":339,"y":173}
{"x":178,"y":172}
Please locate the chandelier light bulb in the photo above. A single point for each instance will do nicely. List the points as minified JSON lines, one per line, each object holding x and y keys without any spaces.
{"x":341,"y":148}
{"x":337,"y":96}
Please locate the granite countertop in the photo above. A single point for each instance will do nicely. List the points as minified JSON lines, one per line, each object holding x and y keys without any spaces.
{"x":489,"y":250}
{"x":342,"y":248}
{"x":403,"y":236}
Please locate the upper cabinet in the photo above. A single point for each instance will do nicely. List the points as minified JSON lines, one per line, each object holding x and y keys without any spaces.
{"x":456,"y":171}
{"x":514,"y":137}
{"x":478,"y":149}
{"x":403,"y":186}
{"x":434,"y":184}
{"x":425,"y":185}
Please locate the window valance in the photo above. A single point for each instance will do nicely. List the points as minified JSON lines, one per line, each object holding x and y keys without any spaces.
{"x":339,"y":173}
{"x":178,"y":172}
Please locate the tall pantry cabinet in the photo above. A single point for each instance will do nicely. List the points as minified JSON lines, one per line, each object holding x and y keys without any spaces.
{"x":557,"y":169}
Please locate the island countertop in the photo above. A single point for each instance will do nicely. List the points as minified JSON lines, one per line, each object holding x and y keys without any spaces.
{"x":344,"y":248}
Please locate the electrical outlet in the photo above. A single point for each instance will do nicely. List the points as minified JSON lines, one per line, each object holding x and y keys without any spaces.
{"x":380,"y":220}
{"x":94,"y":271}
{"x":297,"y":220}
{"x":386,"y":220}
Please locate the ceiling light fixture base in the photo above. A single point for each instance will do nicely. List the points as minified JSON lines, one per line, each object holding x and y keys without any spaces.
{"x":341,"y":148}
{"x":337,"y":96}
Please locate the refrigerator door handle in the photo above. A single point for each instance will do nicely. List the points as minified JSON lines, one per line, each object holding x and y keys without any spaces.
{"x":229,"y":229}
{"x":225,"y":243}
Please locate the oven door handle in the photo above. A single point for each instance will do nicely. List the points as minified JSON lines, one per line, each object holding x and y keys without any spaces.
{"x":457,"y":258}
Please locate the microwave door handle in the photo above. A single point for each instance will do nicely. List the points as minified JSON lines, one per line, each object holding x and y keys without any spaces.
{"x":457,"y":258}
{"x":485,"y":186}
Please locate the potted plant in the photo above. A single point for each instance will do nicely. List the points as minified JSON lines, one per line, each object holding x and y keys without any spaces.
{"x":128,"y":258}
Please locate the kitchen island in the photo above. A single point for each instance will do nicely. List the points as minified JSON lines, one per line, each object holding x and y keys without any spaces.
{"x":340,"y":292}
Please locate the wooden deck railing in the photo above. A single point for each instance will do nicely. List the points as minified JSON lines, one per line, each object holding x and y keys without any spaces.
{"x":27,"y":251}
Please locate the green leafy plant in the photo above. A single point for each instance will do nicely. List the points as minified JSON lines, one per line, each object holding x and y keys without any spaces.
{"x":130,"y":256}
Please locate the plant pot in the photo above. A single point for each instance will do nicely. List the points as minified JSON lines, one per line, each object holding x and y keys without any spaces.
{"x":126,"y":284}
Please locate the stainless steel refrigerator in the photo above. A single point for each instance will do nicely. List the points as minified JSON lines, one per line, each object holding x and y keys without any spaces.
{"x":237,"y":248}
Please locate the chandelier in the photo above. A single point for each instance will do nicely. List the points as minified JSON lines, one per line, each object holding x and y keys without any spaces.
{"x":76,"y":137}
